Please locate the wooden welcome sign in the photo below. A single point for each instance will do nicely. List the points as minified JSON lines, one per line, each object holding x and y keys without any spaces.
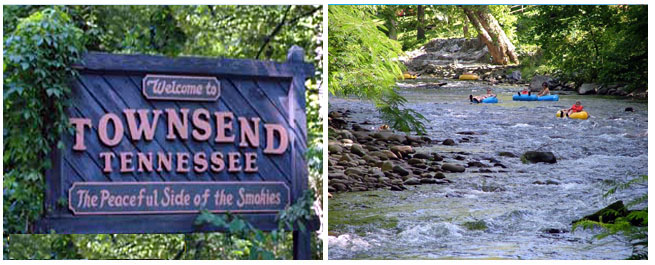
{"x":158,"y":139}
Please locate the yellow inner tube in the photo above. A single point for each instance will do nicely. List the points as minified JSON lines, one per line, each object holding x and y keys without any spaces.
{"x":583,"y":115}
{"x":409,"y":76}
{"x":468,"y":77}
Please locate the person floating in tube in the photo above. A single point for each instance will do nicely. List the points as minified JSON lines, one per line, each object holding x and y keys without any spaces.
{"x":577,"y":107}
{"x":525,"y":91}
{"x":544,"y":90}
{"x":478,"y":99}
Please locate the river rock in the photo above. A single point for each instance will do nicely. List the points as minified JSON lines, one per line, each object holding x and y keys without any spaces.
{"x":354,"y":171}
{"x":507,"y":154}
{"x":347,"y":158}
{"x":397,"y":181}
{"x":335,"y":148}
{"x":384,"y":154}
{"x":357,"y":149}
{"x":587,"y":88}
{"x":346,"y":142}
{"x":382,"y":135}
{"x":362,"y":136}
{"x":370,"y":159}
{"x":339,"y":186}
{"x":412,"y":181}
{"x":499,"y":165}
{"x":400,"y":170}
{"x":402,"y":149}
{"x":415,"y":161}
{"x":336,"y":175}
{"x":515,"y":76}
{"x":398,"y":187}
{"x":421,"y":156}
{"x":536,"y":157}
{"x":602,"y":90}
{"x":439,"y":175}
{"x":630,"y":109}
{"x":376,"y":173}
{"x":397,"y":138}
{"x":453,"y":168}
{"x":476,"y":164}
{"x":346,"y":134}
{"x":387,"y":166}
{"x":436,"y":157}
{"x":429,"y":181}
{"x":449,"y":142}
{"x":608,"y":214}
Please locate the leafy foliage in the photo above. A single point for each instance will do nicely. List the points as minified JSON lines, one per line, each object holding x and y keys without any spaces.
{"x":37,"y":60}
{"x":363,"y":63}
{"x":633,"y":225}
{"x":41,"y":42}
{"x":445,"y":21}
{"x":591,"y":43}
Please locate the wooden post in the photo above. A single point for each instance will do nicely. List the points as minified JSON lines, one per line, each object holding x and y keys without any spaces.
{"x":296,"y":98}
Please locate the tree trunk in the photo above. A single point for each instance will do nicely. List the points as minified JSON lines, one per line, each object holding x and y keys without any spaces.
{"x":393,"y":24}
{"x":420,"y":15}
{"x":501,"y":49}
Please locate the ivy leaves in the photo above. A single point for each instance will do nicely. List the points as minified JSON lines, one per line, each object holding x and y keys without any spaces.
{"x":37,"y":59}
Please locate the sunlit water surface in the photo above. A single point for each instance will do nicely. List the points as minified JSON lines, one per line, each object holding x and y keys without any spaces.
{"x":498,"y":215}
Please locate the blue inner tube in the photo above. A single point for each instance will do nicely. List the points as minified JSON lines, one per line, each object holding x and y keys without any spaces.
{"x":549,"y":98}
{"x":524,"y":98}
{"x":490,"y":100}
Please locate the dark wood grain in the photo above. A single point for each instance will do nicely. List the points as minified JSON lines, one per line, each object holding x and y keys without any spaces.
{"x":272,"y":91}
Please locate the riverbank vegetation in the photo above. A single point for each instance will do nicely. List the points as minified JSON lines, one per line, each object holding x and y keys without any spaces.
{"x":601,"y":44}
{"x":41,"y":42}
{"x":624,"y":220}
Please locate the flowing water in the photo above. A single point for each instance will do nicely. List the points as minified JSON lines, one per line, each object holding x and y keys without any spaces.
{"x":498,"y":215}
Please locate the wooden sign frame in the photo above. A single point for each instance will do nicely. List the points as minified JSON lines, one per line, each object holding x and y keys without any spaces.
{"x":291,"y":109}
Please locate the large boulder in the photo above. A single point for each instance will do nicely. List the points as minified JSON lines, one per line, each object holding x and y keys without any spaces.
{"x":536,"y":157}
{"x":449,"y":142}
{"x":588,"y":88}
{"x":514,"y":76}
{"x":608,"y":214}
{"x":453,"y":168}
{"x":537,"y":80}
{"x":602,"y":90}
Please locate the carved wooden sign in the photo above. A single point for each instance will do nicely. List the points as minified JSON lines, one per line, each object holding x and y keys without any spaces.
{"x":193,"y":88}
{"x":156,"y":140}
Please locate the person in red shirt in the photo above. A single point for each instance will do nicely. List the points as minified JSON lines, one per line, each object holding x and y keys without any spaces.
{"x":525,"y":91}
{"x":577,"y":107}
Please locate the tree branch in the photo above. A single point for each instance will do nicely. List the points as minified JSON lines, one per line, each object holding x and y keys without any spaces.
{"x":277,"y":29}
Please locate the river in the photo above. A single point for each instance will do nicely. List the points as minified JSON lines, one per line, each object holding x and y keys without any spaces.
{"x":498,"y":215}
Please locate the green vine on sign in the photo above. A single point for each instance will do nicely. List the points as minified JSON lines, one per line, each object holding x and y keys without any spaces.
{"x":263,"y":246}
{"x":36,"y":65}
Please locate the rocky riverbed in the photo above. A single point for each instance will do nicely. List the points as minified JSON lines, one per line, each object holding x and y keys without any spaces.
{"x":363,"y":157}
{"x":490,"y":204}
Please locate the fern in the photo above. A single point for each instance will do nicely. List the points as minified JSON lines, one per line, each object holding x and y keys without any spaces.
{"x":632,"y":225}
